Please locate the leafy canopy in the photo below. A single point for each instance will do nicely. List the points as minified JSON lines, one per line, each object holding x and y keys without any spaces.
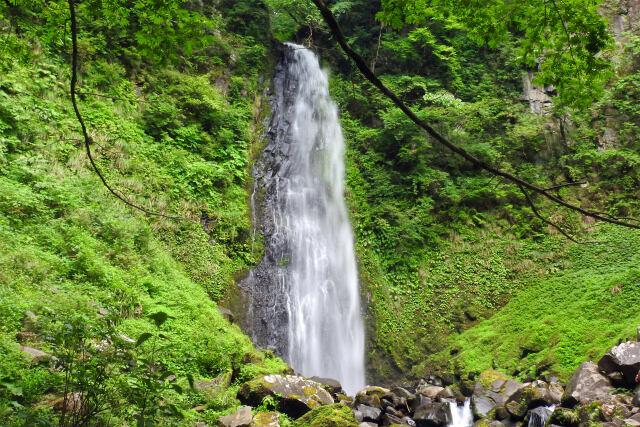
{"x":563,"y":39}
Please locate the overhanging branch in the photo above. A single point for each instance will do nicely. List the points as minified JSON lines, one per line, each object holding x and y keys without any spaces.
{"x":85,"y":134}
{"x":337,"y":33}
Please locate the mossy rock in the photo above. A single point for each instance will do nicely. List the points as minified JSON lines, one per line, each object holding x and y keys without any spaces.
{"x":266,"y":419}
{"x":294,"y":395}
{"x":336,"y":415}
{"x":490,"y":376}
{"x":564,"y":417}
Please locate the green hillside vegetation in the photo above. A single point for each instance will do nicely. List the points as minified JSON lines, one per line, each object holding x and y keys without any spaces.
{"x":457,"y":273}
{"x":79,"y":269}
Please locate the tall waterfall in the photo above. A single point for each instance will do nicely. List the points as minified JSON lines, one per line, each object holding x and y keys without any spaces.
{"x":307,"y":282}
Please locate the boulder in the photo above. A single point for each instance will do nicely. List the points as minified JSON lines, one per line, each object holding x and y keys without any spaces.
{"x":418,"y":401}
{"x":532,"y":395}
{"x":391,"y":420}
{"x":266,"y":419}
{"x":241,"y":418}
{"x":295,"y":395}
{"x":586,"y":385}
{"x":371,"y":395}
{"x":37,"y":357}
{"x":334,"y":415}
{"x":446,"y":393}
{"x":431,"y":391}
{"x":625,"y":359}
{"x":636,"y":397}
{"x":368,"y":413}
{"x":493,"y":390}
{"x":332,"y":386}
{"x":432,"y":415}
{"x":365,"y":424}
{"x":402,"y":392}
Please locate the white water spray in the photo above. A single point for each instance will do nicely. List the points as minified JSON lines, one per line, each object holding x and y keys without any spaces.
{"x":461,"y":415}
{"x":326,"y":332}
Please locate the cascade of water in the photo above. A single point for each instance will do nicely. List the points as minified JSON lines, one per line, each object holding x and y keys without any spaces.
{"x":326,"y":334}
{"x":307,"y":282}
{"x":461,"y":415}
{"x":539,"y":416}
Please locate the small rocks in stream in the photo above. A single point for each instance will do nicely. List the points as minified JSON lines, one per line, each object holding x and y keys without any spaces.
{"x":371,"y":396}
{"x":367,"y":413}
{"x":432,"y":415}
{"x":492,"y":390}
{"x":622,"y":364}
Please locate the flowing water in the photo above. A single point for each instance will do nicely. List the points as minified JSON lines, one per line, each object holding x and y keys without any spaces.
{"x":309,"y":276}
{"x":539,"y":416}
{"x":461,"y":415}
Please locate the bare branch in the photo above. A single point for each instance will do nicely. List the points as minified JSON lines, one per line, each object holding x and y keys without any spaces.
{"x":560,"y":229}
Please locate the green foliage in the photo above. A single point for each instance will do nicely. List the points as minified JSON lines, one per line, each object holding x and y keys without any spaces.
{"x":174,"y":140}
{"x":548,"y":327}
{"x":565,"y":36}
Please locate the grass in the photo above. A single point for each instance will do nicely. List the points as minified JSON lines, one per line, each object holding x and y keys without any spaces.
{"x":554,"y":324}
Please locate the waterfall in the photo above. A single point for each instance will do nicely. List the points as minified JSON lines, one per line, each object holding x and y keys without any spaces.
{"x":539,"y":416}
{"x":307,"y":282}
{"x":461,"y":415}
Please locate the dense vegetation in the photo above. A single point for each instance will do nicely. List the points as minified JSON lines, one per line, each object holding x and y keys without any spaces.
{"x":457,"y":272}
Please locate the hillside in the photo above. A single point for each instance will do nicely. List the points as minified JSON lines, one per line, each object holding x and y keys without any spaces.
{"x":141,"y":314}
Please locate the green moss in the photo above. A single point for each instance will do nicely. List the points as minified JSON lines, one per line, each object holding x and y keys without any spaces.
{"x":490,"y":376}
{"x":336,"y":415}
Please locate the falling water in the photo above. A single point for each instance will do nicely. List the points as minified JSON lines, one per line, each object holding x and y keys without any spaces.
{"x":461,"y":415}
{"x":539,"y":416}
{"x":309,"y":255}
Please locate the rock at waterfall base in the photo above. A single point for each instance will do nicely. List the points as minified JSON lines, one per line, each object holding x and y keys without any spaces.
{"x":295,"y":395}
{"x":586,"y":385}
{"x":493,"y":390}
{"x":622,"y":364}
{"x":432,"y":415}
{"x":334,"y":415}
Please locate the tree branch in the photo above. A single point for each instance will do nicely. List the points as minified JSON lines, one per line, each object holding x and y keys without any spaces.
{"x":369,"y":75}
{"x":85,"y":134}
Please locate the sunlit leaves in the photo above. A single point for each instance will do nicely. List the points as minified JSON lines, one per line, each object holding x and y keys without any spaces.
{"x":564,"y":40}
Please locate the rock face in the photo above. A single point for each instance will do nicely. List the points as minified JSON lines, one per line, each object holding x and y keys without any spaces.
{"x":295,"y":395}
{"x":492,"y":392}
{"x":266,"y":318}
{"x":241,"y":418}
{"x":624,"y":360}
{"x":586,"y":385}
